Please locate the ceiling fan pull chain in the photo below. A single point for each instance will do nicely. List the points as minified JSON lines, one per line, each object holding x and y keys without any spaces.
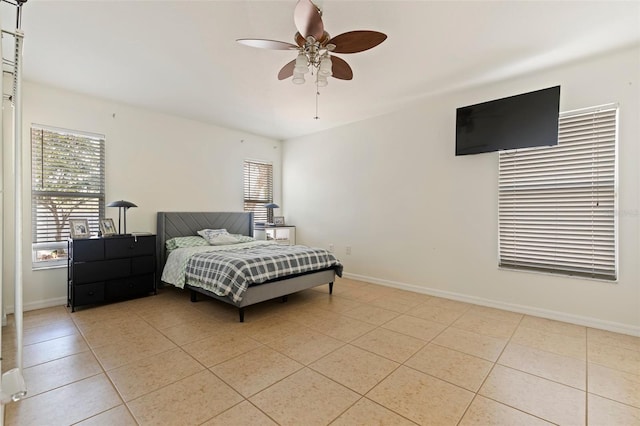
{"x":317,"y":94}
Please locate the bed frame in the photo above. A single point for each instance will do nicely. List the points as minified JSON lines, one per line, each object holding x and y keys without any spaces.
{"x":181,"y":224}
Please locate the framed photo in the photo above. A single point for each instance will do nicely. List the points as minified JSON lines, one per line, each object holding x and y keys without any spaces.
{"x":107,"y":227}
{"x":79,"y":228}
{"x":278,"y":220}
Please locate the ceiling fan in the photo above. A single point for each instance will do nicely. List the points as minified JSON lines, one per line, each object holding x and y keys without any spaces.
{"x":316,"y":48}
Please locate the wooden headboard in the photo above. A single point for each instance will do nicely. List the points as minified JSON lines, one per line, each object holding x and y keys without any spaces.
{"x":183,"y":224}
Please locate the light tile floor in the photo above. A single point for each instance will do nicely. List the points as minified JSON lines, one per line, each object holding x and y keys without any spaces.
{"x":365,"y":355}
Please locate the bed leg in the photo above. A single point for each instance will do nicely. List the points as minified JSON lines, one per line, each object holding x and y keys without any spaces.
{"x":194,"y":296}
{"x":241,"y":313}
{"x":285,"y":298}
{"x":331,"y":287}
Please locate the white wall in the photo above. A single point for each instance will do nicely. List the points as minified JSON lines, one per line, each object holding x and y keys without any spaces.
{"x":417,"y":217}
{"x":159,"y":162}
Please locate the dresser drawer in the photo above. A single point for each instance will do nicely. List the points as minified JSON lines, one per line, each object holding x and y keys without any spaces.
{"x":117,"y":247}
{"x":87,"y":250}
{"x":128,"y":287}
{"x":87,"y":294}
{"x":143,"y":265}
{"x":86,"y":272}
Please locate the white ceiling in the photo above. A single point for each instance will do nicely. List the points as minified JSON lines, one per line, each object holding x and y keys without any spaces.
{"x":181,"y":57}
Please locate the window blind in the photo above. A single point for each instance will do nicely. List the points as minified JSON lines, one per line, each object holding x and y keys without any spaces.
{"x":67,"y":178}
{"x":258,"y":189}
{"x":557,"y":204}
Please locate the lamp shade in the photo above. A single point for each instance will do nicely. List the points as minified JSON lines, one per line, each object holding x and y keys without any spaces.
{"x":121,"y":203}
{"x":272,"y":206}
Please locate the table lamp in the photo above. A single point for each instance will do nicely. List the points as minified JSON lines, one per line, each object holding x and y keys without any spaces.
{"x":270,"y":208}
{"x":122,"y":205}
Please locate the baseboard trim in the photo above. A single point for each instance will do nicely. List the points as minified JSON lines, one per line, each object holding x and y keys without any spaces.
{"x":40,"y":304}
{"x":522,"y":309}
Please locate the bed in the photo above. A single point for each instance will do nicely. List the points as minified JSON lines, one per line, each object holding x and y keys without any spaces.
{"x":172,"y":225}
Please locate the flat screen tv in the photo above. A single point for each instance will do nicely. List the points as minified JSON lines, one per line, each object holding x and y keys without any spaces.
{"x":520,"y":121}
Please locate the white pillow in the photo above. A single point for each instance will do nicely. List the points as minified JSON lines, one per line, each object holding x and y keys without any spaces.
{"x":218,"y":237}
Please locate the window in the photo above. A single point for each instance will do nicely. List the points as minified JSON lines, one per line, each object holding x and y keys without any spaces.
{"x":557,"y":204}
{"x":67,"y":182}
{"x":258,"y":190}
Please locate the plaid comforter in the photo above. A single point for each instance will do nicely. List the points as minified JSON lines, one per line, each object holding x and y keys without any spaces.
{"x":231,"y":272}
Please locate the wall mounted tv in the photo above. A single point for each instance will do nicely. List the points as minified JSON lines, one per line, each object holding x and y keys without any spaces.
{"x":520,"y":121}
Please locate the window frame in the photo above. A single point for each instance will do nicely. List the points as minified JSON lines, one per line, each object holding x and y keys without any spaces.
{"x":51,"y":247}
{"x":255,"y":198}
{"x":84,"y":181}
{"x":579,"y":179}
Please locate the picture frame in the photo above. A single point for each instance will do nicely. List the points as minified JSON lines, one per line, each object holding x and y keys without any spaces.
{"x":107,"y":227}
{"x":79,"y":228}
{"x":278,"y":220}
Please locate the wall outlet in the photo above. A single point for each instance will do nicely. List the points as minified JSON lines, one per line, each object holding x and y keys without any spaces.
{"x":331,"y":248}
{"x":348,"y":250}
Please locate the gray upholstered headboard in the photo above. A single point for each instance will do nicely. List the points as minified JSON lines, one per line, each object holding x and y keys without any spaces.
{"x":182,"y":224}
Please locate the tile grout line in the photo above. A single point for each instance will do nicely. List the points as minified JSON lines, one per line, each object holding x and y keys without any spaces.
{"x":115,"y":388}
{"x":586,"y":376}
{"x":520,"y":325}
{"x":493,"y":364}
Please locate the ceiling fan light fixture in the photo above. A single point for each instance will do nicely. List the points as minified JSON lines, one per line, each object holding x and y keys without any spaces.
{"x":298,"y":78}
{"x":302,"y":64}
{"x":325,"y":66}
{"x":315,"y":47}
{"x":300,"y":70}
{"x":322,"y":80}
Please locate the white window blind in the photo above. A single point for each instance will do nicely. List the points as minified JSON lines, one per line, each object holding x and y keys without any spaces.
{"x":258,"y":189}
{"x":557,"y":204}
{"x":67,"y":178}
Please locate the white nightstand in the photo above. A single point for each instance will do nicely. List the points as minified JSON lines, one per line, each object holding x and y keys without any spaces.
{"x":281,"y":234}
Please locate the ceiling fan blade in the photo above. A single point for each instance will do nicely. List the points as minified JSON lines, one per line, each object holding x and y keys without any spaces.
{"x":267,"y":44}
{"x":287,"y":70}
{"x":308,"y":19}
{"x":340,"y":69}
{"x":357,"y":41}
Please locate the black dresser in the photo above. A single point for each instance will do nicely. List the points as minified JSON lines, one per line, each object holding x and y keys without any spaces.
{"x":110,"y":268}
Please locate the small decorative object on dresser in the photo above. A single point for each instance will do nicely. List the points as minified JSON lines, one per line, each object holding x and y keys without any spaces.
{"x":107,"y":227}
{"x":278,"y":220}
{"x":79,"y":228}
